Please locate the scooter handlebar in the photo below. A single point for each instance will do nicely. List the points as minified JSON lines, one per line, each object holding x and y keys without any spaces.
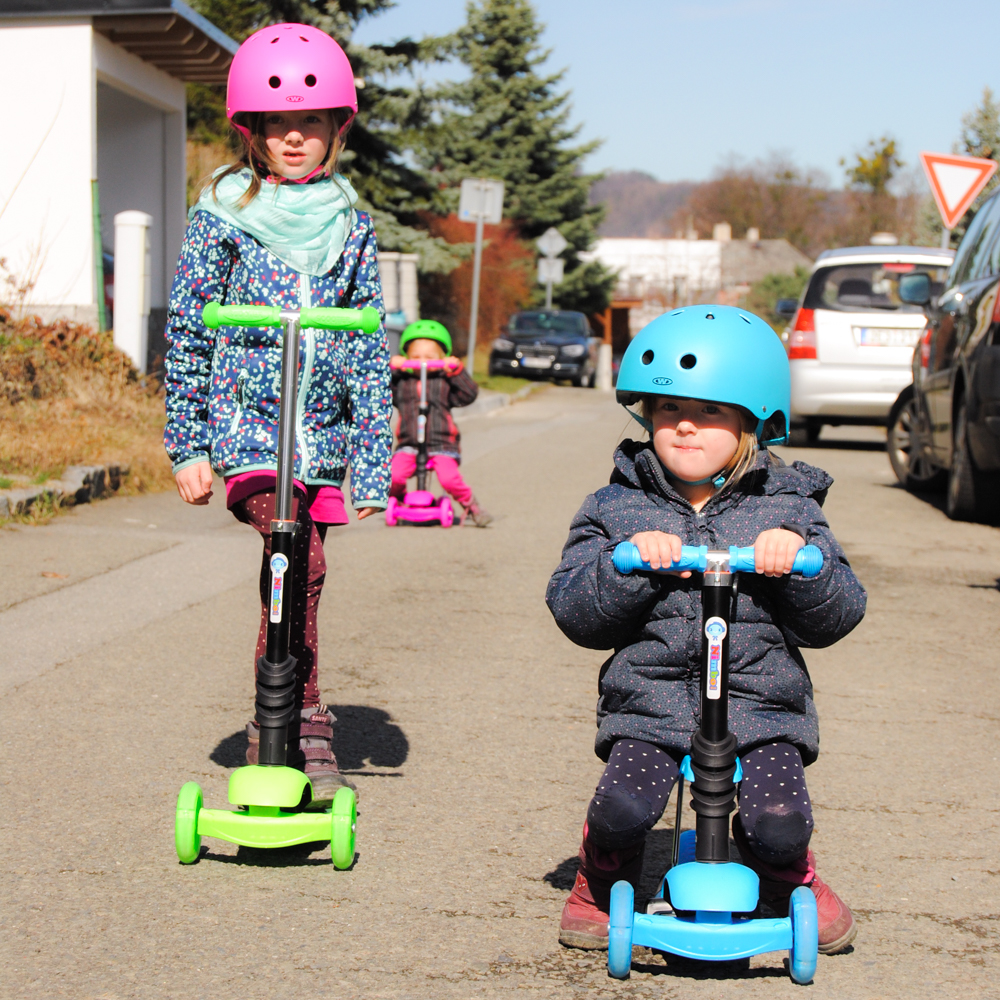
{"x":432,"y":366}
{"x":366,"y":320}
{"x":808,"y":560}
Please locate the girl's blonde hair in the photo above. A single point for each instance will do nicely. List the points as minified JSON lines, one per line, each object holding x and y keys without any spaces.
{"x":747,"y":449}
{"x":256,"y":157}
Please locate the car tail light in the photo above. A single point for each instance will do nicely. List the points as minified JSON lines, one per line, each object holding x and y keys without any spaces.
{"x":925,"y":348}
{"x":802,"y":339}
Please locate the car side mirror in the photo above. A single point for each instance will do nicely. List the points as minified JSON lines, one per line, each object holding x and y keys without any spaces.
{"x":786,"y":308}
{"x":915,"y":289}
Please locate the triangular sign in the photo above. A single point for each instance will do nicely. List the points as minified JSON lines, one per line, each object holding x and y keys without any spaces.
{"x":955,"y":181}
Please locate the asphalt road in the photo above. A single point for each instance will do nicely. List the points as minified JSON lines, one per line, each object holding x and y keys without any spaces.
{"x":126,"y":637}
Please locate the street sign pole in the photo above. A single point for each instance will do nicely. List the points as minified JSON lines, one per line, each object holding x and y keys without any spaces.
{"x":477,"y":267}
{"x":945,"y":239}
{"x":548,"y":294}
{"x":481,"y":201}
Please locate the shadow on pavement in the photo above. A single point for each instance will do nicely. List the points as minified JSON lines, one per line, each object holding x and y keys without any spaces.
{"x":282,"y":857}
{"x":362,"y":736}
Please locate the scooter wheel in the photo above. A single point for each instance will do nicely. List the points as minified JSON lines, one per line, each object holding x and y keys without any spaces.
{"x":447,"y":513}
{"x":805,"y":935}
{"x":343,"y":828}
{"x":186,"y":837}
{"x":390,"y":512}
{"x":620,"y":930}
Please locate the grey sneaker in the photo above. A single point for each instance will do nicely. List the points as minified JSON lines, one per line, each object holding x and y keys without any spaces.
{"x":310,"y":749}
{"x":480,"y":517}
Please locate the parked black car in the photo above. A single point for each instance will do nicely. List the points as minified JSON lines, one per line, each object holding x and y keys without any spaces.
{"x":547,"y":344}
{"x":944,"y":430}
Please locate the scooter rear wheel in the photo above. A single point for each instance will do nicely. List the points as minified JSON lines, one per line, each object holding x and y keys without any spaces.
{"x":620,"y":930}
{"x":343,"y":828}
{"x":187,"y":840}
{"x":805,"y":935}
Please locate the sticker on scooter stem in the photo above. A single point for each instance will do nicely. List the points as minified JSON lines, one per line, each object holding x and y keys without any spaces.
{"x":715,"y":632}
{"x":279,"y":564}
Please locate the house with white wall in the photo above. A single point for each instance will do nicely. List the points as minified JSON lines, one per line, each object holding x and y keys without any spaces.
{"x":94,"y":105}
{"x":666,"y":273}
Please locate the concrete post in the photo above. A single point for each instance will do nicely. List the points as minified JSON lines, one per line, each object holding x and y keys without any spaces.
{"x":409,"y":301}
{"x":388,"y":269}
{"x":604,"y":373}
{"x":133,"y":279}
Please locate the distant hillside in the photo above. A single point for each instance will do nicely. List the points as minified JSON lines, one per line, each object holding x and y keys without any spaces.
{"x":638,"y":204}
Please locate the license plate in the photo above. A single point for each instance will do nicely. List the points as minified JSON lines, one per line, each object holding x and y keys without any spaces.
{"x":880,"y":336}
{"x":536,"y":362}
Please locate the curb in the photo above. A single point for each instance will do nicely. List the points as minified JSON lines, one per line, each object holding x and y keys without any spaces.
{"x":489,"y":402}
{"x":79,"y":484}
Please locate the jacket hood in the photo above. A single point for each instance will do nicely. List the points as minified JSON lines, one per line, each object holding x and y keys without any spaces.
{"x":637,"y":465}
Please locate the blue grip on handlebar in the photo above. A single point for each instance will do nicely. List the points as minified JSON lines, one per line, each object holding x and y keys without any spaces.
{"x":808,"y":560}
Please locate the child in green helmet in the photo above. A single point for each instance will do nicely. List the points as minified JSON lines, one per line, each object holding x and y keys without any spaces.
{"x":428,"y":340}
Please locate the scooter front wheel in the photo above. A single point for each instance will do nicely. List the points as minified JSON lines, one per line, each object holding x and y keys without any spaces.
{"x":390,"y":512}
{"x":447,"y":513}
{"x":805,"y":935}
{"x":343,"y":828}
{"x":187,"y":840}
{"x":620,"y":930}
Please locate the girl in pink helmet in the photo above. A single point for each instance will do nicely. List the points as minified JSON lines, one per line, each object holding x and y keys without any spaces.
{"x":278,"y":227}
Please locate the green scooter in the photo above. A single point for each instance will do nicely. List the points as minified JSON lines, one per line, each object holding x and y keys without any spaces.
{"x":269,"y":796}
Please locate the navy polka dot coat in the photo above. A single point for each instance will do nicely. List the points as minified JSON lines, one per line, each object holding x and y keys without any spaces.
{"x":650,"y":687}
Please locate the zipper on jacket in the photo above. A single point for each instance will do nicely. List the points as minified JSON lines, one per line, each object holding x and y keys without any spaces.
{"x":241,"y":385}
{"x":309,"y":336}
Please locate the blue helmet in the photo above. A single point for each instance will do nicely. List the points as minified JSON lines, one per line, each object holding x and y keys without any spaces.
{"x":718,"y":353}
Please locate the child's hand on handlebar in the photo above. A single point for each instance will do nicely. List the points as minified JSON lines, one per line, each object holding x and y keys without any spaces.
{"x":659,"y":549}
{"x":452,"y":366}
{"x":194,"y":483}
{"x":774,"y":551}
{"x":397,"y":359}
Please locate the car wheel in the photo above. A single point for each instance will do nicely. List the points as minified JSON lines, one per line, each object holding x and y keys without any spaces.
{"x":971,"y":495}
{"x":805,"y":435}
{"x":906,"y":442}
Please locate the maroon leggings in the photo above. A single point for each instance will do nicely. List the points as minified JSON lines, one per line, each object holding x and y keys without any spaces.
{"x":308,"y":575}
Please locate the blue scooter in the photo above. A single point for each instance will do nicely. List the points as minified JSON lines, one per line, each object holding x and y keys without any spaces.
{"x":700,"y":909}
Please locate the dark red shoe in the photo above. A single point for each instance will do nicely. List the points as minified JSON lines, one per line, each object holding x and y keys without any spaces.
{"x":584,"y":922}
{"x":837,"y":927}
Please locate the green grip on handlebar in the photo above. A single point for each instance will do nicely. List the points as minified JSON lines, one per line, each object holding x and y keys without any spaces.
{"x":367,"y":320}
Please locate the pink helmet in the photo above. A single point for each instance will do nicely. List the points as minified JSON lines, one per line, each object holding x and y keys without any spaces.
{"x":292,"y":66}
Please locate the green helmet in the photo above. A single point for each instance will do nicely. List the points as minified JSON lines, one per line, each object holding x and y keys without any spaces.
{"x":426,"y":329}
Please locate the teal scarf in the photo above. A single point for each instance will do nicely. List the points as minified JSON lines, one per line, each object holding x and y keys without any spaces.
{"x":303,"y":225}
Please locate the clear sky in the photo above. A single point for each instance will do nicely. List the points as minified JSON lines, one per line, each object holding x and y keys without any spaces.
{"x":676,"y":88}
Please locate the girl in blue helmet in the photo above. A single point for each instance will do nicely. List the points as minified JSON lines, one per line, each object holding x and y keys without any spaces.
{"x":711,"y":387}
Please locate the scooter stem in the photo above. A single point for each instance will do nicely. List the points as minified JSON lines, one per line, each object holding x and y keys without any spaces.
{"x":275,"y":700}
{"x":713,"y":748}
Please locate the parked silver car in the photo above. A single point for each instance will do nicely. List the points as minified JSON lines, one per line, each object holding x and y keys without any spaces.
{"x":852,"y":338}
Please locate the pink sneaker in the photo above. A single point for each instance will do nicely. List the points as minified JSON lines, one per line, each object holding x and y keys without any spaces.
{"x":584,"y":922}
{"x":837,"y":927}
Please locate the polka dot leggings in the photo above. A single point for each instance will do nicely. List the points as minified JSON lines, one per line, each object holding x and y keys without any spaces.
{"x":307,"y":585}
{"x":773,"y":799}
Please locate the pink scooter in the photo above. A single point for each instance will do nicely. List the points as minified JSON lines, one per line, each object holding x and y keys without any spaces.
{"x":420,"y":506}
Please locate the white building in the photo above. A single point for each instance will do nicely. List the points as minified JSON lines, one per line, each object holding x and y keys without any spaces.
{"x":94,"y":107}
{"x":666,"y":274}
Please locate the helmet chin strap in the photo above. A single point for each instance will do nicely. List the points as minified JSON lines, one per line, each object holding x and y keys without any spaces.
{"x":717,"y":480}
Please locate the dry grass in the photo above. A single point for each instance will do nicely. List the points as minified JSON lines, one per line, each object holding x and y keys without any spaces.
{"x":69,"y":397}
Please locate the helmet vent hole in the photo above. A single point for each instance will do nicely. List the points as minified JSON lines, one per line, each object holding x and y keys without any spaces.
{"x":303,"y":37}
{"x":310,"y":80}
{"x":647,"y":358}
{"x":275,"y":82}
{"x":709,"y":316}
{"x":745,"y":320}
{"x":688,"y":361}
{"x":273,"y":40}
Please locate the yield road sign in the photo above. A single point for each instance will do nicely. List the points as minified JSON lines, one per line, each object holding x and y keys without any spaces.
{"x":955,"y":181}
{"x":551,"y":242}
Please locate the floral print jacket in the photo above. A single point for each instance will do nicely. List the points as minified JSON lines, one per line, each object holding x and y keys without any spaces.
{"x":222,"y":386}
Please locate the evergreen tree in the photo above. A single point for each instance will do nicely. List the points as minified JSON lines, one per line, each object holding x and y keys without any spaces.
{"x":507,"y":121}
{"x":979,"y":136}
{"x":393,"y":192}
